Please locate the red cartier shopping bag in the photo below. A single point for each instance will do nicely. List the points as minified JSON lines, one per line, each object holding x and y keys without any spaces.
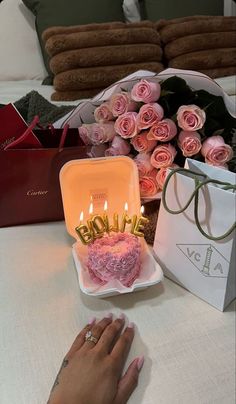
{"x":29,"y":168}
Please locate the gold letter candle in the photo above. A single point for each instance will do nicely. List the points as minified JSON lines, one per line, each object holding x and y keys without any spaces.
{"x":125,"y":220}
{"x":84,"y":234}
{"x":99,"y":226}
{"x":141,"y":221}
{"x":115,"y":226}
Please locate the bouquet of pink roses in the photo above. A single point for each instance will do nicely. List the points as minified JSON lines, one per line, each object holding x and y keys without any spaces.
{"x":158,"y":124}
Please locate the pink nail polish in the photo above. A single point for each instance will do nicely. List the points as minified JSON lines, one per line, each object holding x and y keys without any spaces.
{"x":130,"y":325}
{"x":121,"y":316}
{"x":108,"y":315}
{"x":92,"y":321}
{"x":140,"y":361}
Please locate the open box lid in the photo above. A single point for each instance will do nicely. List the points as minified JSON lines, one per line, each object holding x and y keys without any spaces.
{"x":111,"y":179}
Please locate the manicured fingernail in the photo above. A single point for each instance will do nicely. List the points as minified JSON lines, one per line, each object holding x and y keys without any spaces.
{"x":108,"y":315}
{"x":139,"y":363}
{"x":92,"y":320}
{"x":121,"y":316}
{"x":130,"y":325}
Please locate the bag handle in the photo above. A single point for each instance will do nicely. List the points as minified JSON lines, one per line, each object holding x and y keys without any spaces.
{"x":25,"y":134}
{"x":63,"y":136}
{"x":198,"y":185}
{"x":52,"y":129}
{"x":34,"y":123}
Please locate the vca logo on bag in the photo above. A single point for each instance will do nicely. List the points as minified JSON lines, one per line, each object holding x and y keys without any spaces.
{"x":206,"y":259}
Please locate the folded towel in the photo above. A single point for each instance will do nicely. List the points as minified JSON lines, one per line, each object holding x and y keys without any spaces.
{"x":77,"y":40}
{"x":220,"y":72}
{"x":94,"y":27}
{"x":105,"y":56}
{"x":163,"y":22}
{"x":206,"y":59}
{"x":197,"y":42}
{"x":97,"y":77}
{"x":217,"y":24}
{"x":75,"y":95}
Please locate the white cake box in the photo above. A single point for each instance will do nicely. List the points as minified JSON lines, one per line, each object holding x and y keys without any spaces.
{"x":111,"y":179}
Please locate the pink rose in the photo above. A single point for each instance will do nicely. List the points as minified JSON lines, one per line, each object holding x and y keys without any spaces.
{"x":189,"y":142}
{"x":97,"y":150}
{"x":103,"y":113}
{"x":149,"y":114}
{"x":126,"y":125}
{"x":146,"y":91}
{"x":119,"y":147}
{"x":163,"y":131}
{"x":102,"y":133}
{"x":163,"y":156}
{"x":162,"y":174}
{"x":121,"y":103}
{"x":190,"y":117}
{"x":216,"y":152}
{"x":141,"y":142}
{"x":143,"y":162}
{"x":148,"y":184}
{"x":85,"y":131}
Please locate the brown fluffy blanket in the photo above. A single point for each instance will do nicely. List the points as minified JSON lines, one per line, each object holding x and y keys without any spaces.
{"x":75,"y":94}
{"x":99,"y":77}
{"x":163,"y":22}
{"x":88,"y":58}
{"x":219,"y":71}
{"x":171,"y":32}
{"x":87,"y":82}
{"x":78,"y":40}
{"x":206,"y":59}
{"x":94,"y":27}
{"x":197,"y":42}
{"x":203,"y":43}
{"x":105,"y":56}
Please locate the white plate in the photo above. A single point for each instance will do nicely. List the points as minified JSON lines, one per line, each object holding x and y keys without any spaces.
{"x":150,"y":274}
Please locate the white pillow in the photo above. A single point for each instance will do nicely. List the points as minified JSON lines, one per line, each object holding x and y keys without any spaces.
{"x":20,"y":54}
{"x":131,"y":10}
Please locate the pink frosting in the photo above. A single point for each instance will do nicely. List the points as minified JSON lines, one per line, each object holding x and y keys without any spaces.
{"x":114,"y":257}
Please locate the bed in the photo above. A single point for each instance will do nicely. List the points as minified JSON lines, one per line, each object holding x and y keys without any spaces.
{"x":22,"y":67}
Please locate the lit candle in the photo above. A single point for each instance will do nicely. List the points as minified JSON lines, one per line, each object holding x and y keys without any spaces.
{"x":105,"y":218}
{"x":139,"y":225}
{"x":81,"y":218}
{"x":91,"y":209}
{"x":125,"y":219}
{"x":83,"y":231}
{"x":133,"y":224}
{"x":89,"y":220}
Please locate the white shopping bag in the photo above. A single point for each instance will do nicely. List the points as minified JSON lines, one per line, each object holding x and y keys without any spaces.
{"x":191,"y":253}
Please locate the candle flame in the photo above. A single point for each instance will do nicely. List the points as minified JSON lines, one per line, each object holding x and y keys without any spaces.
{"x":126,"y":206}
{"x":81,"y":218}
{"x":105,"y":206}
{"x":91,"y":208}
{"x":142,"y":210}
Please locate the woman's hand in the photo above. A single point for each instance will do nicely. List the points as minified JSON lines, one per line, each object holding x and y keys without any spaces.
{"x":91,"y":372}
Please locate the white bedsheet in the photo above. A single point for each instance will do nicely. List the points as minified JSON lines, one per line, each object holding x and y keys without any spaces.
{"x":11,"y":91}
